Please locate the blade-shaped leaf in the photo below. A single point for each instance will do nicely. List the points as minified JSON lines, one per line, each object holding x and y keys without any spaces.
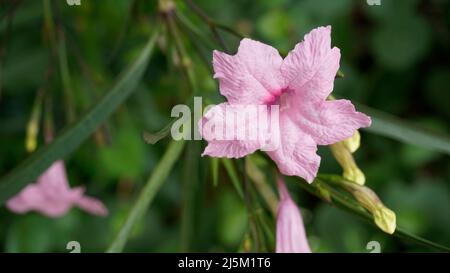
{"x":393,"y":127}
{"x":73,"y":136}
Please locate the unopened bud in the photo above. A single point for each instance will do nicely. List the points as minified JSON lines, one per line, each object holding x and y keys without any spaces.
{"x":384,"y":218}
{"x":345,"y":158}
{"x":31,"y":138}
{"x":33,"y":124}
{"x":352,"y":143}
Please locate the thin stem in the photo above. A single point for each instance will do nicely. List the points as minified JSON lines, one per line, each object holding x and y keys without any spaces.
{"x":229,"y":30}
{"x":154,"y":183}
{"x":248,"y":200}
{"x":185,"y":61}
{"x":123,"y":31}
{"x":229,"y":167}
{"x":189,"y":186}
{"x":192,"y":28}
{"x":213,"y":26}
{"x":211,"y":22}
{"x":259,"y":180}
{"x":65,"y":77}
{"x":197,"y":39}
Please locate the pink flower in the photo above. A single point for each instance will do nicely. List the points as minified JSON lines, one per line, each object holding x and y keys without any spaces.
{"x":53,"y":197}
{"x":300,"y":85}
{"x":291,"y":237}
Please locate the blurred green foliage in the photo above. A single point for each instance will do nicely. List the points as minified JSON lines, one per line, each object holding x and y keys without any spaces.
{"x":395,"y":58}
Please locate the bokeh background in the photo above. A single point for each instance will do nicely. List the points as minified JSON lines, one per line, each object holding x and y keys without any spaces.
{"x":395,"y":58}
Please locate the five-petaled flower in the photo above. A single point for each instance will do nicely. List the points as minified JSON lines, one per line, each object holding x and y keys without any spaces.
{"x":300,"y":85}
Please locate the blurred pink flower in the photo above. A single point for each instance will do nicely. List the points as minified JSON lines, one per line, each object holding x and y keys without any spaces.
{"x":300,"y":85}
{"x":53,"y":197}
{"x":291,"y":237}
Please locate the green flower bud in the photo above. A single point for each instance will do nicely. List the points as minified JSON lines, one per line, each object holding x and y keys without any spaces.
{"x":383,"y":217}
{"x":345,"y":158}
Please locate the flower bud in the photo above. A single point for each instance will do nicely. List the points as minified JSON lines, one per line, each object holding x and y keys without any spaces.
{"x":31,"y":138}
{"x":352,"y":143}
{"x":345,"y":158}
{"x":33,"y":124}
{"x":384,"y":218}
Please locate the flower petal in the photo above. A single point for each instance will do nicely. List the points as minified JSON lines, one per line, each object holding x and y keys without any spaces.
{"x":34,"y":197}
{"x":296,"y":154}
{"x":54,"y":179}
{"x":22,"y":202}
{"x":229,"y":134}
{"x":310,"y":68}
{"x":252,"y":76}
{"x":328,"y":122}
{"x":92,"y":205}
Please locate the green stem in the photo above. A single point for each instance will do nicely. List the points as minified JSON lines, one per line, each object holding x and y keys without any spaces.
{"x":229,"y":167}
{"x":191,"y":26}
{"x":147,"y":194}
{"x":185,"y":60}
{"x":189,"y":186}
{"x":213,"y":25}
{"x":341,"y":201}
{"x":65,"y":78}
{"x":248,"y":200}
{"x":197,"y":39}
{"x":49,"y":25}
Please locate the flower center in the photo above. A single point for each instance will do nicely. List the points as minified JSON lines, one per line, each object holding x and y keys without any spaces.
{"x":279,"y":97}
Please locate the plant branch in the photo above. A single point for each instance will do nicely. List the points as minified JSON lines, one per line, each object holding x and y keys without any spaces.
{"x":342,"y":202}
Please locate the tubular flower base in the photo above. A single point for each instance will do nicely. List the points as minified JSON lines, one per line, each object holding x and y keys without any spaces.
{"x":291,"y":237}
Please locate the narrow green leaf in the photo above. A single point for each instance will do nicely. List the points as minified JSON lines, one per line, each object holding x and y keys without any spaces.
{"x":232,"y":173}
{"x":147,"y":194}
{"x":73,"y":136}
{"x":390,"y":126}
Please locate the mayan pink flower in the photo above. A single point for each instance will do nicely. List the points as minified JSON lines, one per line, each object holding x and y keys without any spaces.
{"x":291,"y":237}
{"x":53,"y":197}
{"x":300,"y":85}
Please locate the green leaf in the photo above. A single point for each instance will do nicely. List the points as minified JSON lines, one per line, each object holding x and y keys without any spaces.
{"x":147,"y":194}
{"x":73,"y":136}
{"x":153,"y":138}
{"x":393,"y":127}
